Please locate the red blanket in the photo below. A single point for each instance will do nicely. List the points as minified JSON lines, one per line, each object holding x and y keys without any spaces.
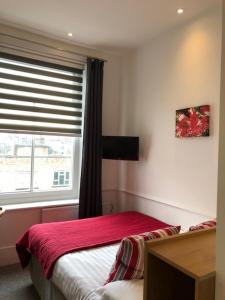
{"x":50,"y":241}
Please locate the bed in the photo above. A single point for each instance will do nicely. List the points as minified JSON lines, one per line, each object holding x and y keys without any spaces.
{"x":80,"y":276}
{"x":81,"y":273}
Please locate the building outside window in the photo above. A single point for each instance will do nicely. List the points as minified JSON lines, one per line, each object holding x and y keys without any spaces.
{"x":61,"y":178}
{"x":35,"y":163}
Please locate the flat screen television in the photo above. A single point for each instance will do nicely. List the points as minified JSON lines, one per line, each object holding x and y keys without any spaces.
{"x":120,"y":147}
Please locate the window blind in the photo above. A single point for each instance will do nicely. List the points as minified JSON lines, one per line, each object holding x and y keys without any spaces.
{"x":36,"y":96}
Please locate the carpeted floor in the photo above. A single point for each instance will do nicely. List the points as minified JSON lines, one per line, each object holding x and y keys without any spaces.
{"x":15,"y":284}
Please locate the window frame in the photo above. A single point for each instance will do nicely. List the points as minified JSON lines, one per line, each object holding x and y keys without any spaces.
{"x":40,"y":196}
{"x":56,"y":182}
{"x":48,"y":56}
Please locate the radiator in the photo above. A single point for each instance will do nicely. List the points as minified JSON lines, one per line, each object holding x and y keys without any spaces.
{"x":59,"y":213}
{"x":66,"y":213}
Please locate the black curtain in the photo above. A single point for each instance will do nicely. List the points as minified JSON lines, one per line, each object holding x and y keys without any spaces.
{"x":90,"y":202}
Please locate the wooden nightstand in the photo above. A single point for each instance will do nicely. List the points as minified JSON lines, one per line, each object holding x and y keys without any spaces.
{"x":181,"y":267}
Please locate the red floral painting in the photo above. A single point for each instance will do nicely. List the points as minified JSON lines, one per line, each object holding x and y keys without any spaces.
{"x":193,"y":121}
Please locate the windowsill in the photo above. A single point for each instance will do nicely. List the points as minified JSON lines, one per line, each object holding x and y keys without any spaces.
{"x":40,"y":204}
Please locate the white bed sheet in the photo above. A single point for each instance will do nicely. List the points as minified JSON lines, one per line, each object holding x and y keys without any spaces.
{"x":120,"y":290}
{"x":81,"y":276}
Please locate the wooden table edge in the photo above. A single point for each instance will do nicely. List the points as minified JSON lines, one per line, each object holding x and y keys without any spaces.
{"x":191,"y":234}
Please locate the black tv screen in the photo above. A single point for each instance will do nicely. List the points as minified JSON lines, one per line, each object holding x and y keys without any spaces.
{"x":120,"y":147}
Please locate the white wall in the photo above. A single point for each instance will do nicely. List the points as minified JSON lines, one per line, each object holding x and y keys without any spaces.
{"x":111,"y":116}
{"x":220,"y":266}
{"x":179,"y":69}
{"x":167,"y":213}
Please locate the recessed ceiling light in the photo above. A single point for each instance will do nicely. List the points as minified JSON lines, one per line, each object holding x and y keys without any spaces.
{"x":180,"y":11}
{"x":69,"y":34}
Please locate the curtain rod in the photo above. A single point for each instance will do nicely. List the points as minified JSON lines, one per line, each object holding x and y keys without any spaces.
{"x":51,"y":47}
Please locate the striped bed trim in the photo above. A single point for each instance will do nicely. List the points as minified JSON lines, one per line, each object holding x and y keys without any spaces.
{"x":204,"y":225}
{"x":129,"y":262}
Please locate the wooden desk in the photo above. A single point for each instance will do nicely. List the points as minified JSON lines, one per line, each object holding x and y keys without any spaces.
{"x":181,"y":267}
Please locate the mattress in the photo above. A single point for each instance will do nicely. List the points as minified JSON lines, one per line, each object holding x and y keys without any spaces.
{"x":81,"y":276}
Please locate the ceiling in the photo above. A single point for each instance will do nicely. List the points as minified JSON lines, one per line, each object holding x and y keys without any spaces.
{"x":101,"y":23}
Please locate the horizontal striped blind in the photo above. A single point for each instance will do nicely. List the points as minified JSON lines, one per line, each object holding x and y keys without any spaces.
{"x":41,"y":97}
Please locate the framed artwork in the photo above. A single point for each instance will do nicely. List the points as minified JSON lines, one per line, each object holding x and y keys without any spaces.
{"x":193,"y":121}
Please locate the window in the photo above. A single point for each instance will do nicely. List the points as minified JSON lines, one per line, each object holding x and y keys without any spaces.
{"x":61,"y":178}
{"x":38,"y":164}
{"x":35,"y":163}
{"x":40,"y":129}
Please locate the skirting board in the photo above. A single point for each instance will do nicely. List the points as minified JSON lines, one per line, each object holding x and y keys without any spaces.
{"x":169,"y":214}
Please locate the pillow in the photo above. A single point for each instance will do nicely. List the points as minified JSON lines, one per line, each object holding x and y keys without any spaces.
{"x":117,"y":290}
{"x":204,"y":225}
{"x":129,"y":262}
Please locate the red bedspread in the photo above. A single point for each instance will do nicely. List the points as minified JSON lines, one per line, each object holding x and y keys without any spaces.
{"x":50,"y":241}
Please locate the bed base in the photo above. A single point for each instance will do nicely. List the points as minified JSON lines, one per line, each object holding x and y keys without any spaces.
{"x":45,"y":288}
